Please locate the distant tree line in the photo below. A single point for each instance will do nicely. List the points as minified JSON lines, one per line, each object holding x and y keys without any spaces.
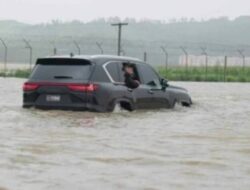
{"x":219,"y":35}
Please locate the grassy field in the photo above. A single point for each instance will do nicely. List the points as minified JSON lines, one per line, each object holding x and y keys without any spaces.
{"x":214,"y":74}
{"x":18,"y":73}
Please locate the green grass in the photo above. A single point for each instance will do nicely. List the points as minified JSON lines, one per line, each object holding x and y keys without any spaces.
{"x":19,"y":73}
{"x":214,"y":74}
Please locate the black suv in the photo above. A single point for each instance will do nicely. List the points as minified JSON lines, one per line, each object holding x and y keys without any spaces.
{"x":96,"y":83}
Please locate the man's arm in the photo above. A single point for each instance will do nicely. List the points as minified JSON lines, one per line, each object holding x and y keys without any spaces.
{"x":130,"y":82}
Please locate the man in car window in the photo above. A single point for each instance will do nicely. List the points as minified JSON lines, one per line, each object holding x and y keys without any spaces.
{"x":130,"y":78}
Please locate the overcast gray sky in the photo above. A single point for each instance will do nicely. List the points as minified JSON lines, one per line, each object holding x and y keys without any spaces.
{"x":36,"y":11}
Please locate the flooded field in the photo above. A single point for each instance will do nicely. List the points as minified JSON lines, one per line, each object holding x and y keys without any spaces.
{"x":203,"y":147}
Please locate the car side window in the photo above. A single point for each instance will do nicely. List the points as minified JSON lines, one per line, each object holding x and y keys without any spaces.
{"x":121,"y":73}
{"x":149,"y":75}
{"x":137,"y":76}
{"x":113,"y":70}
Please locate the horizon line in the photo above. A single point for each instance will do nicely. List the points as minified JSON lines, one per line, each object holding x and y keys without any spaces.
{"x":135,"y":20}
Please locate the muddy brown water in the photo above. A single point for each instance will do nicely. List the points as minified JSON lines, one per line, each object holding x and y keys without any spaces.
{"x":206,"y":146}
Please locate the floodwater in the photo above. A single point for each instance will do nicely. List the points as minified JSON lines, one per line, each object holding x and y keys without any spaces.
{"x":206,"y":146}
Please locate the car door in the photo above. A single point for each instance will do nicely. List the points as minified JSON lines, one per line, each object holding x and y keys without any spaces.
{"x":142,"y":96}
{"x":160,"y":97}
{"x":151,"y":80}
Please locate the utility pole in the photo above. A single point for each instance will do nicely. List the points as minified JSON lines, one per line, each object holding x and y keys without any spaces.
{"x":119,"y":25}
{"x":99,"y":45}
{"x":241,"y":52}
{"x":28,"y":46}
{"x":77,"y":47}
{"x":5,"y":55}
{"x":204,"y":52}
{"x":184,"y":49}
{"x":166,"y":56}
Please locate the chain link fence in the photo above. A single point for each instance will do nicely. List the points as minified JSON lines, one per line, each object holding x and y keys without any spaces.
{"x":176,"y":61}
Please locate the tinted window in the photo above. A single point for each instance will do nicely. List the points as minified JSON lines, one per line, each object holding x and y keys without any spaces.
{"x":148,"y":74}
{"x":113,"y":70}
{"x":49,"y":69}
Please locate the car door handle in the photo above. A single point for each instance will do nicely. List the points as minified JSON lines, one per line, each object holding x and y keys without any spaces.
{"x":150,"y":92}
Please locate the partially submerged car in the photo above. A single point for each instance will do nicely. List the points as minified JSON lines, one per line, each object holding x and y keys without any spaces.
{"x":96,"y":83}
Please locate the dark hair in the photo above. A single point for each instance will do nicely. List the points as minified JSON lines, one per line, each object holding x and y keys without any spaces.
{"x":127,"y":64}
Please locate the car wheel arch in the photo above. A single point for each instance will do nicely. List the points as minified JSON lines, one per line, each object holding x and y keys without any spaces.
{"x":186,"y":103}
{"x":125,"y":104}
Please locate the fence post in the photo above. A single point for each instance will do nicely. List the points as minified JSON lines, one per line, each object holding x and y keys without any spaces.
{"x":77,"y":47}
{"x":186,"y":58}
{"x":28,"y":46}
{"x":5,"y":56}
{"x":145,"y":57}
{"x":204,"y":52}
{"x":206,"y":67}
{"x":225,"y":69}
{"x":99,"y":45}
{"x":54,"y":50}
{"x":241,"y":52}
{"x":166,"y":56}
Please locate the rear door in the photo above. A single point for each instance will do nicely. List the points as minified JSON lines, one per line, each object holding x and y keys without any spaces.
{"x":61,"y":82}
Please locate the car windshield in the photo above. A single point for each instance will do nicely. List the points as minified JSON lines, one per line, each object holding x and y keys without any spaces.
{"x":56,"y":69}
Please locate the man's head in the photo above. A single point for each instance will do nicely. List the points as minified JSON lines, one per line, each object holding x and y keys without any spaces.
{"x":128,"y":68}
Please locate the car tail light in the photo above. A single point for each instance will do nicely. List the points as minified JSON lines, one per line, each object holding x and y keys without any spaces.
{"x":83,"y":87}
{"x":30,"y":86}
{"x":74,"y":87}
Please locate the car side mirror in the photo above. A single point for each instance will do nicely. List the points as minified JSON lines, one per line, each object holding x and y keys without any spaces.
{"x":164,"y":83}
{"x":152,"y":83}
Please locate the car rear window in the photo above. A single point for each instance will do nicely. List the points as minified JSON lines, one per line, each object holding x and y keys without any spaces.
{"x":55,"y":69}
